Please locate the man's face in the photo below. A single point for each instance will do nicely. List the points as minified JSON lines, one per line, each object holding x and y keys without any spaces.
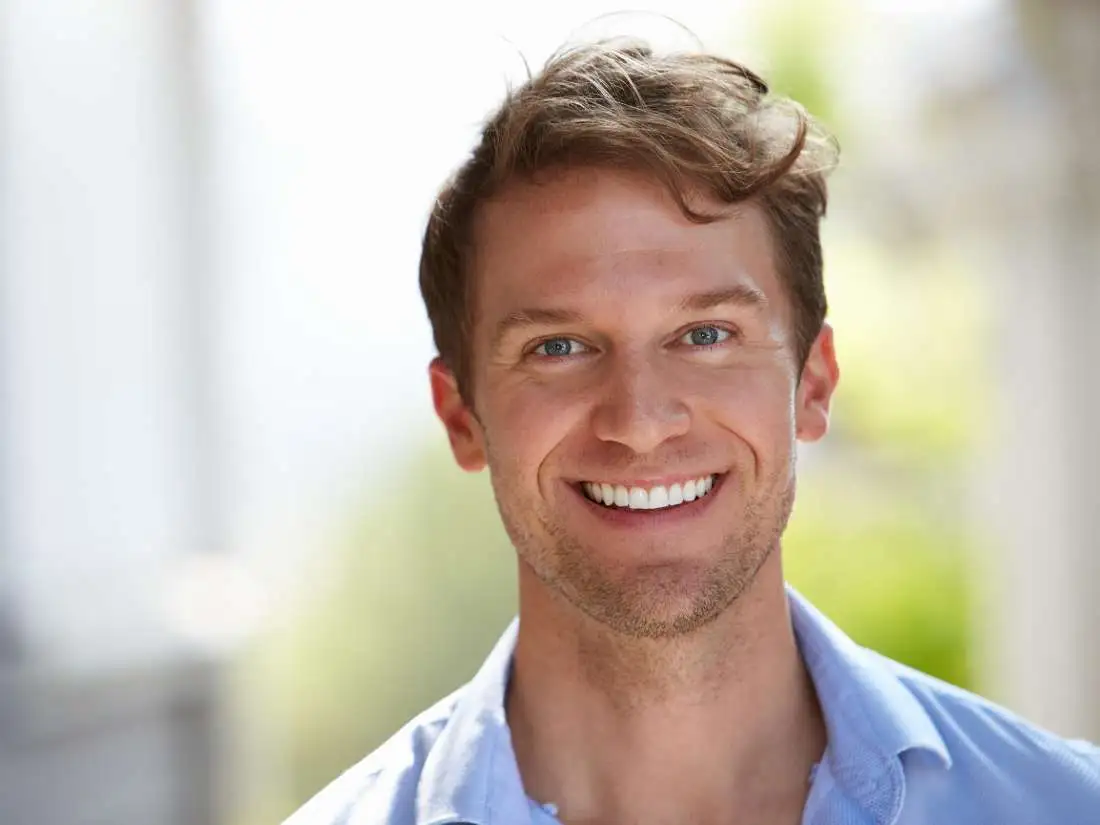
{"x":625,"y":354}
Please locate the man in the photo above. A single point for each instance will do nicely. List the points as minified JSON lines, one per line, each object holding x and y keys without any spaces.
{"x":625,"y":287}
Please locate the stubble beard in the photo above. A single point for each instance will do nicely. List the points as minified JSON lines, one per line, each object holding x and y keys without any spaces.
{"x":658,"y":601}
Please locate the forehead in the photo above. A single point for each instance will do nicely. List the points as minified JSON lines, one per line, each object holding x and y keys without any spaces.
{"x":591,"y":235}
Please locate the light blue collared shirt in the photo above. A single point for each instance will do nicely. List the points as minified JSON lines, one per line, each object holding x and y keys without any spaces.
{"x":903,"y":748}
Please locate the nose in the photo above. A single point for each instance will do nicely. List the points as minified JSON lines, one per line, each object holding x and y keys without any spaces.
{"x":640,"y":406}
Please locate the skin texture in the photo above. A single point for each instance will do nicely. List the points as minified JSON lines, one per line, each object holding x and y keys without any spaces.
{"x":643,"y":634}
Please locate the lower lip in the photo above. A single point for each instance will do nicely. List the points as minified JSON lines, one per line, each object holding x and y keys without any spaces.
{"x":625,"y":517}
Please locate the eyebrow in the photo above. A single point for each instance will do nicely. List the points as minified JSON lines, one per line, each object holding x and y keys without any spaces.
{"x":739,"y":295}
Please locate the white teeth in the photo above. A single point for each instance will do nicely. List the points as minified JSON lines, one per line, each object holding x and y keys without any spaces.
{"x":655,"y":498}
{"x":675,"y":495}
{"x":689,"y":490}
{"x":622,"y":497}
{"x":658,"y":498}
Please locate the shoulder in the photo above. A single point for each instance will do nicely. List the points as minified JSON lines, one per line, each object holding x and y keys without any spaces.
{"x":974,"y":727}
{"x":997,"y":757}
{"x":381,"y":788}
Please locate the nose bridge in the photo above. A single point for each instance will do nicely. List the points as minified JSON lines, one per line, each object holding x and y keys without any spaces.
{"x":641,"y":405}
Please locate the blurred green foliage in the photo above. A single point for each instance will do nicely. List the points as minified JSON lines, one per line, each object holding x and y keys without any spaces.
{"x":909,"y":338}
{"x":415,"y":601}
{"x":890,"y":574}
{"x":797,"y":38}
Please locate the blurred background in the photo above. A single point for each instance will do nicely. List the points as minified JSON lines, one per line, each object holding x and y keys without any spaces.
{"x":234,"y":552}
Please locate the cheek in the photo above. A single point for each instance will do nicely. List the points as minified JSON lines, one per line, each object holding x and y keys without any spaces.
{"x":756,"y":405}
{"x":525,"y":422}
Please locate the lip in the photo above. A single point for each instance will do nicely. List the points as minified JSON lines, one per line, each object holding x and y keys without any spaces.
{"x":624,"y":517}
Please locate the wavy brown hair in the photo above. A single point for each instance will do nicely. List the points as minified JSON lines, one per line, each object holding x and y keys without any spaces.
{"x":696,"y":122}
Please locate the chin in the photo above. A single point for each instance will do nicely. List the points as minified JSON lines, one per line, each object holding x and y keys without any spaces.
{"x":658,"y":624}
{"x":659,"y":601}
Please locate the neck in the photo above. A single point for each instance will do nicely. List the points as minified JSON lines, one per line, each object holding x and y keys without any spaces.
{"x":719,"y":724}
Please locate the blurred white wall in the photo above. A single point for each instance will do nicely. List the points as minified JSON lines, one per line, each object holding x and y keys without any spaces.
{"x":105,"y":465}
{"x":1043,"y":242}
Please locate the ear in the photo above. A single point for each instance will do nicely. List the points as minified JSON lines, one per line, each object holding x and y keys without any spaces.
{"x":815,"y":388}
{"x":463,"y":429}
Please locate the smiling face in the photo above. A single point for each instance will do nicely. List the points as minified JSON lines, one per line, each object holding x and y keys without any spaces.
{"x":636,"y":396}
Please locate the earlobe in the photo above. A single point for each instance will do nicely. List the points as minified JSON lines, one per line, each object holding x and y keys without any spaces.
{"x":819,"y":379}
{"x":463,"y":429}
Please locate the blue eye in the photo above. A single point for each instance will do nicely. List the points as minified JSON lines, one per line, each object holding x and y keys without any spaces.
{"x":705,"y":336}
{"x":560,"y":348}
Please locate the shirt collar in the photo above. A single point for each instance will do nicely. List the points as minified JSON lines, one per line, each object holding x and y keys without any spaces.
{"x":471,"y":776}
{"x":866,"y":706}
{"x":871,"y":717}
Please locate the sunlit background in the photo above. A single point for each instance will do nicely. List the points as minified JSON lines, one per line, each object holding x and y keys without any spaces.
{"x":234,"y":553}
